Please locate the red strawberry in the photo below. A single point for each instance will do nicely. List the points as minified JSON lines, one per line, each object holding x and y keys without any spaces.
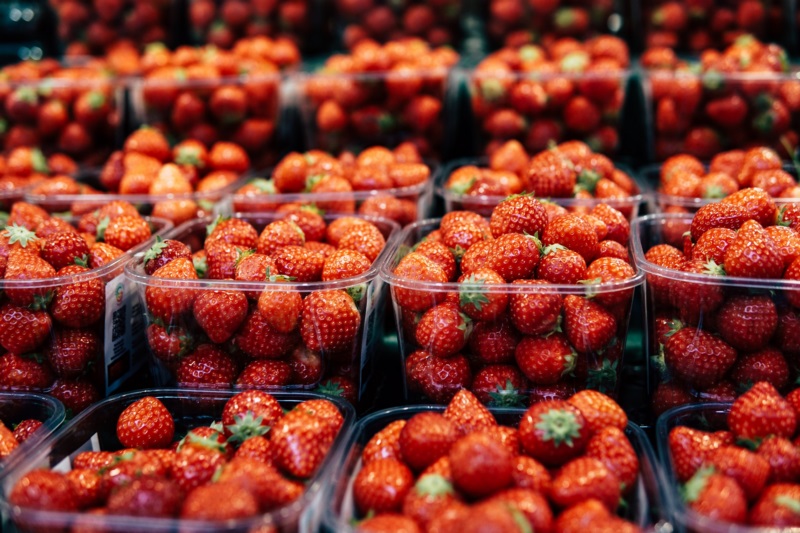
{"x":440,"y":379}
{"x":146,"y":423}
{"x":690,"y":448}
{"x":553,"y":432}
{"x":518,"y":214}
{"x":611,"y":270}
{"x":513,"y":256}
{"x":585,"y":478}
{"x":71,"y":352}
{"x":545,"y":360}
{"x":481,"y":304}
{"x":499,"y":386}
{"x":574,"y":232}
{"x":480,"y":465}
{"x":381,"y":486}
{"x":343,"y":264}
{"x":125,"y":232}
{"x":712,"y":245}
{"x":431,"y":495}
{"x":535,"y":313}
{"x":747,"y":322}
{"x":761,"y":412}
{"x":63,"y":249}
{"x":234,"y":231}
{"x":493,"y":342}
{"x":561,"y":266}
{"x":425,"y":438}
{"x":257,"y":448}
{"x":167,"y":303}
{"x":767,"y":365}
{"x":550,"y":175}
{"x":279,"y":234}
{"x":207,"y":366}
{"x":168,"y":344}
{"x":162,"y":252}
{"x":613,"y":449}
{"x":299,"y":263}
{"x":388,"y":523}
{"x":25,"y":429}
{"x":24,"y":372}
{"x":718,"y":215}
{"x":715,"y":496}
{"x":148,"y":141}
{"x":219,"y":501}
{"x":301,"y":442}
{"x":330,"y":321}
{"x":588,"y":326}
{"x":776,"y":507}
{"x":599,"y":410}
{"x":748,"y":469}
{"x":22,"y":330}
{"x":146,"y":496}
{"x":783,"y":458}
{"x":443,"y":331}
{"x":78,"y":303}
{"x":44,"y":489}
{"x":76,"y":395}
{"x":23,"y":265}
{"x":697,"y":357}
{"x":753,"y":254}
{"x":220,"y":313}
{"x":468,"y":414}
{"x":416,"y":267}
{"x":760,"y":207}
{"x":272,"y":489}
{"x":258,"y":340}
{"x":250,"y":413}
{"x":265,"y":374}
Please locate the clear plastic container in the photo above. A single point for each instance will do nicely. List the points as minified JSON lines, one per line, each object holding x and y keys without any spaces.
{"x":599,"y":370}
{"x":709,"y":417}
{"x":86,"y":124}
{"x":490,"y":96}
{"x":360,"y":362}
{"x":684,"y":97}
{"x":701,"y":297}
{"x":259,"y":129}
{"x":18,"y":406}
{"x":95,"y":429}
{"x":648,"y":505}
{"x":484,"y":204}
{"x":116,"y":336}
{"x":372,"y":116}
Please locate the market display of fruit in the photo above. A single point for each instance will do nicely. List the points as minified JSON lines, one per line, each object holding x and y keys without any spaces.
{"x":710,"y":24}
{"x":23,"y":167}
{"x":58,"y":108}
{"x":178,"y":183}
{"x":278,"y":301}
{"x":721,"y":298}
{"x":223,"y":23}
{"x":734,"y":463}
{"x":26,"y":418}
{"x":569,"y":174}
{"x":740,"y":97}
{"x":379,"y":94}
{"x":182,"y":460}
{"x":437,"y":22}
{"x":532,"y":303}
{"x":519,"y":22}
{"x":393,"y":184}
{"x":562,"y":465}
{"x":540,"y":95}
{"x":685,"y":184}
{"x":211,"y":95}
{"x":90,"y":27}
{"x":54,"y":306}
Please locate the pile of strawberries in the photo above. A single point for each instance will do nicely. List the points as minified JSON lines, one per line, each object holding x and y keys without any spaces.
{"x":745,"y":472}
{"x":730,"y":99}
{"x":11,"y":439}
{"x":534,"y":302}
{"x":329,"y":183}
{"x":23,"y":167}
{"x":541,"y":95}
{"x":515,"y":23}
{"x":711,"y":338}
{"x":147,"y":165}
{"x":570,"y":170}
{"x":381,"y":94}
{"x":210,"y":95}
{"x":255,"y":459}
{"x":51,"y":334}
{"x":73,"y":110}
{"x":564,"y":467}
{"x":697,"y":26}
{"x":269,"y":335}
{"x":683,"y":179}
{"x":222,"y":23}
{"x":436,"y":22}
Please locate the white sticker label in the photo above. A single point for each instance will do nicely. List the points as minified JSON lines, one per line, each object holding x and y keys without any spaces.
{"x":124,"y":333}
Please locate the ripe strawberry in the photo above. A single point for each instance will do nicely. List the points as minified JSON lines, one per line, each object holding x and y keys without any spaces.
{"x":162,"y":252}
{"x":219,"y":501}
{"x":265,"y":374}
{"x":425,"y":438}
{"x":493,"y":342}
{"x":611,"y":270}
{"x":589,"y":327}
{"x":759,"y":205}
{"x":480,"y":465}
{"x":249,"y":414}
{"x":81,"y":303}
{"x":385,"y":444}
{"x":761,"y":412}
{"x":44,"y":489}
{"x":22,"y":330}
{"x":330,"y":321}
{"x":443,"y":330}
{"x":468,"y":414}
{"x":299,"y":263}
{"x":438,"y":252}
{"x":301,"y":442}
{"x":599,"y":410}
{"x":24,"y":372}
{"x":518,"y":214}
{"x":63,"y":249}
{"x":416,"y":267}
{"x":513,"y":256}
{"x":220,"y":313}
{"x":550,"y":175}
{"x":381,"y":486}
{"x":690,"y":448}
{"x":499,"y":386}
{"x":76,"y":395}
{"x":388,"y":522}
{"x":25,"y":429}
{"x":8,"y":441}
{"x":197,"y":461}
{"x":71,"y":352}
{"x":697,"y":357}
{"x":228,"y":156}
{"x":279,"y":234}
{"x":747,"y":322}
{"x":574,"y":233}
{"x":718,"y":215}
{"x":272,"y":489}
{"x":776,"y":507}
{"x":545,"y":360}
{"x":553,"y":432}
{"x":146,"y":423}
{"x":233,"y":231}
{"x":258,"y":340}
{"x":101,"y":254}
{"x":585,"y":478}
{"x":614,"y":450}
{"x":712,"y":245}
{"x":749,"y":470}
{"x":716,"y":496}
{"x":479,"y":304}
{"x":150,"y":142}
{"x":440,"y":379}
{"x":167,"y":303}
{"x":206,"y":366}
{"x":767,"y":364}
{"x":561,"y":266}
{"x":753,"y":254}
{"x":23,"y":265}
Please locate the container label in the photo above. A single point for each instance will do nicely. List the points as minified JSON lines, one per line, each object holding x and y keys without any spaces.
{"x":124,"y":333}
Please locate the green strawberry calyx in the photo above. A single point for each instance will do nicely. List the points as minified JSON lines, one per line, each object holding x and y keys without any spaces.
{"x":693,"y":488}
{"x":433,"y":485}
{"x":211,"y":227}
{"x":471,"y":293}
{"x":559,"y":426}
{"x":506,"y":396}
{"x":189,"y":156}
{"x":264,"y":186}
{"x":465,"y":325}
{"x":553,"y":248}
{"x":19,"y":234}
{"x":39,"y":161}
{"x":200,"y":266}
{"x":713,"y":269}
{"x":204,"y":442}
{"x":155,"y":250}
{"x":788,"y":502}
{"x":603,"y":379}
{"x":522,"y":522}
{"x":461,"y":188}
{"x":330,"y":388}
{"x":246,"y":426}
{"x":101,"y":228}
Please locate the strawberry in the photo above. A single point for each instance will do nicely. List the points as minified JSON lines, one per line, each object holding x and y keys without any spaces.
{"x":279,"y":234}
{"x":431,"y":495}
{"x":513,"y":256}
{"x":599,"y":410}
{"x":23,"y":265}
{"x":499,"y":386}
{"x":776,"y":507}
{"x":101,"y":254}
{"x":24,"y":372}
{"x":716,"y":496}
{"x":614,"y":450}
{"x":162,"y":252}
{"x":301,"y":441}
{"x":206,"y":366}
{"x":480,"y":465}
{"x":71,"y":352}
{"x":146,"y":496}
{"x":126,"y":231}
{"x":220,"y":313}
{"x":44,"y":489}
{"x":305,"y":365}
{"x":561,"y":266}
{"x":228,"y":156}
{"x":81,"y":303}
{"x":281,"y":309}
{"x":545,"y":360}
{"x":271,"y":488}
{"x":761,"y":412}
{"x":258,"y":340}
{"x":584,"y":478}
{"x":712,"y":245}
{"x":518,"y":214}
{"x":27,"y":428}
{"x":553,"y":432}
{"x":299,"y":263}
{"x":493,"y":342}
{"x":330,"y":321}
{"x":753,"y":254}
{"x":233,"y":231}
{"x":257,"y":448}
{"x":8,"y":441}
{"x":416,"y":267}
{"x":530,"y":474}
{"x":698,"y":357}
{"x":748,"y":469}
{"x":388,"y":522}
{"x":249,"y":414}
{"x":760,"y":207}
{"x":197,"y":461}
{"x":168,"y":303}
{"x":550,"y":175}
{"x":589,"y":513}
{"x":76,"y":395}
{"x":441,"y":378}
{"x":695,"y":300}
{"x":718,"y":215}
{"x":574,"y":233}
{"x":63,"y":249}
{"x":150,"y":142}
{"x":690,"y":448}
{"x":443,"y":330}
{"x":22,"y":330}
{"x":381,"y":486}
{"x":425,"y":438}
{"x":479,"y":304}
{"x":385,"y":444}
{"x":589,"y":327}
{"x":265,"y":374}
{"x":767,"y":365}
{"x":219,"y":501}
{"x":783,"y":458}
{"x":468,"y":414}
{"x":146,"y":423}
{"x":747,"y":322}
